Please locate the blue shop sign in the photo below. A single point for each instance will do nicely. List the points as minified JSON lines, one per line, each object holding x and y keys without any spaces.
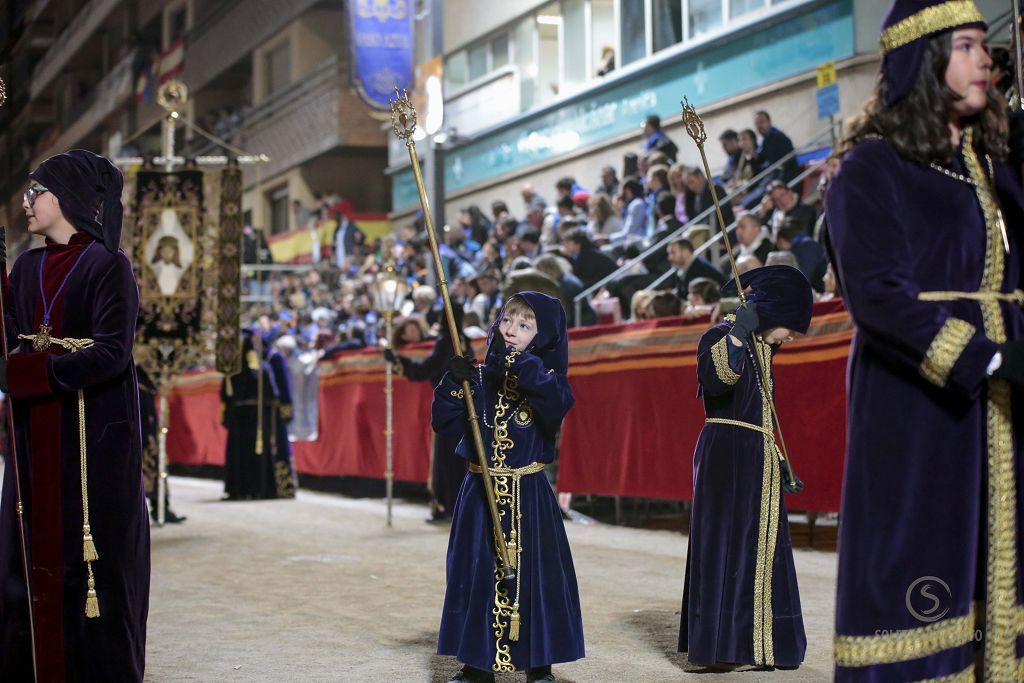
{"x":745,"y":61}
{"x":381,"y":43}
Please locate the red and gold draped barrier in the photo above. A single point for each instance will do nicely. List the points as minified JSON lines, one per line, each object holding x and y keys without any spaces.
{"x":631,"y":433}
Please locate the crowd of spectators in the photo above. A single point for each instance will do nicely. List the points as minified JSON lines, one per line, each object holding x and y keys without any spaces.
{"x":560,"y":244}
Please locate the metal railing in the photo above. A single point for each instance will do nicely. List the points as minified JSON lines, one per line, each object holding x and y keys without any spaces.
{"x":718,"y":237}
{"x":699,"y":219}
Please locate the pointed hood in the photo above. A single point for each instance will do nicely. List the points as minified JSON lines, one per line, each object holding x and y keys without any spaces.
{"x":551,"y":344}
{"x":88,"y":188}
{"x":782,"y":294}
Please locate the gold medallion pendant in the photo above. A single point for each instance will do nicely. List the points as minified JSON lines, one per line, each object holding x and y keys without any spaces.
{"x":42,"y":339}
{"x":523,"y":416}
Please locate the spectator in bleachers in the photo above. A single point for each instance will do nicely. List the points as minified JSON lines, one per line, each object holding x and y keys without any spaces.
{"x":560,"y":270}
{"x":602,"y":220}
{"x":639,"y":305}
{"x":499,"y":211}
{"x":730,"y":141}
{"x":630,"y":166}
{"x":487,"y":294}
{"x":347,"y":236}
{"x":782,"y":258}
{"x":488,"y":257}
{"x":655,"y":139}
{"x":635,"y":225}
{"x":782,"y":204}
{"x":810,"y":256}
{"x":589,"y":263}
{"x":677,"y":186}
{"x":609,"y":181}
{"x":411,"y":329}
{"x":687,"y":267}
{"x":475,"y":223}
{"x":702,"y":296}
{"x":752,"y":239}
{"x":529,"y":245}
{"x":699,"y":199}
{"x":567,"y":187}
{"x":775,"y":145}
{"x":747,"y":166}
{"x":745,"y":263}
{"x":664,"y":305}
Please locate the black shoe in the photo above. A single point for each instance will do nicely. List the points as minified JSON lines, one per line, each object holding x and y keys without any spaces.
{"x":541,"y":674}
{"x":171,"y":518}
{"x":470,"y":674}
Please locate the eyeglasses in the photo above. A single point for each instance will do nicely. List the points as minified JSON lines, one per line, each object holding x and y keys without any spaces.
{"x":32,"y":194}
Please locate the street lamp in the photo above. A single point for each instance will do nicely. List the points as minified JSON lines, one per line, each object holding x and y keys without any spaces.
{"x":388,"y":294}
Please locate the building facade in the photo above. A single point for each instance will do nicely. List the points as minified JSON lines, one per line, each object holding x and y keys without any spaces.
{"x":269,"y":77}
{"x":528,"y":95}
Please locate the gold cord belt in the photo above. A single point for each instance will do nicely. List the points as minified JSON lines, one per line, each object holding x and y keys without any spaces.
{"x":89,"y":554}
{"x":748,"y":425}
{"x":1014,"y":297}
{"x":514,"y":472}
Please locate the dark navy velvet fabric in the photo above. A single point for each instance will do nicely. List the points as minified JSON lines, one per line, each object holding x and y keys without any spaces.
{"x":915,"y":490}
{"x":552,"y":625}
{"x":100,"y":302}
{"x":718,"y":613}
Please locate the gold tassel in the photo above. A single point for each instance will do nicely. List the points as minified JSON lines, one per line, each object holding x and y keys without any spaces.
{"x":513,"y":551}
{"x":513,"y":633}
{"x":89,"y":546}
{"x":92,"y":602}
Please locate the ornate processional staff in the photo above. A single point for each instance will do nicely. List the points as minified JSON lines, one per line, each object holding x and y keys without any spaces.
{"x":695,"y":129}
{"x":13,"y":453}
{"x":403,"y":120}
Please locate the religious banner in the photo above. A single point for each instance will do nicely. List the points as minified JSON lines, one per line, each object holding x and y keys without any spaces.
{"x":168,"y":248}
{"x":229,"y":262}
{"x":381,"y":38}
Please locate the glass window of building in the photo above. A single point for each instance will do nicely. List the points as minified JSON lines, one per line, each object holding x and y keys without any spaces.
{"x":633,"y":30}
{"x":574,"y":45}
{"x":455,"y":71}
{"x":549,"y":72}
{"x":499,"y":51}
{"x":667,"y":20}
{"x":524,"y":39}
{"x":477,"y":58}
{"x":705,"y":16}
{"x":737,"y":8}
{"x":278,"y":200}
{"x":279,"y":68}
{"x":602,"y":36}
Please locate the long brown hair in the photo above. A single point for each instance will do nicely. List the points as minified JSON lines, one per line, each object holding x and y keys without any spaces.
{"x":917,"y":125}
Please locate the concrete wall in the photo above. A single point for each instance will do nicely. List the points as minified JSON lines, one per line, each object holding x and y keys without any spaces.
{"x":467,"y":20}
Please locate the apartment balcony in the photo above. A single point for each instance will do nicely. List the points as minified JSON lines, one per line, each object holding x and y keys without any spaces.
{"x":232,"y":32}
{"x":109,"y":95}
{"x":307,"y":119}
{"x":69,"y":42}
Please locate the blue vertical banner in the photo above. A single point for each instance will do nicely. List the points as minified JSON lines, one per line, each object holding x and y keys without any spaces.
{"x":381,"y":41}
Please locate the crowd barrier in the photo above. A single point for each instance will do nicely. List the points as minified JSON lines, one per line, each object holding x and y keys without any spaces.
{"x":631,"y":433}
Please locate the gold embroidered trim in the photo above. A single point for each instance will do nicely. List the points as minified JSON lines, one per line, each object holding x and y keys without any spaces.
{"x":1014,"y":297}
{"x":506,"y":622}
{"x":768,"y":523}
{"x":905,"y":645}
{"x":1001,"y":607}
{"x":930,"y":20}
{"x":945,"y":350}
{"x":720,"y":356}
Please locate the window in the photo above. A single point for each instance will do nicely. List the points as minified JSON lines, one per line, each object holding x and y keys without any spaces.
{"x":525,"y":40}
{"x":705,"y":16}
{"x":574,"y":44}
{"x":667,"y":16}
{"x":279,"y":210}
{"x":455,"y":71}
{"x":477,"y":58}
{"x":279,"y":68}
{"x":632,"y":31}
{"x":737,"y":8}
{"x":499,"y":51}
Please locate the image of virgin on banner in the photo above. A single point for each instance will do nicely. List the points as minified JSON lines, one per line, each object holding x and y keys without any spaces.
{"x":381,"y":40}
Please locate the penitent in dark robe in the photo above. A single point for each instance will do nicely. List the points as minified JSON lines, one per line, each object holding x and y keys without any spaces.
{"x":280,"y":416}
{"x":70,"y":317}
{"x":248,"y":460}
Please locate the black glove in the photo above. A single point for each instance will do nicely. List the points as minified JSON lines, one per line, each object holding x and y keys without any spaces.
{"x":498,"y":341}
{"x":1012,"y":366}
{"x":3,"y":376}
{"x":746,"y":321}
{"x":389,"y":355}
{"x":461,"y":368}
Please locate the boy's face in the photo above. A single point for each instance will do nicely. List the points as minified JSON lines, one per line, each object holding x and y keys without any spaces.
{"x":518,"y":331}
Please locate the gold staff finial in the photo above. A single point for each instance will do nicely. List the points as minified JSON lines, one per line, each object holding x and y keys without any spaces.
{"x":403,"y":115}
{"x":694,"y":124}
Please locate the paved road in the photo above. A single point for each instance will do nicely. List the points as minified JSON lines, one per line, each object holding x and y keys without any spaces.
{"x":319,"y":589}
